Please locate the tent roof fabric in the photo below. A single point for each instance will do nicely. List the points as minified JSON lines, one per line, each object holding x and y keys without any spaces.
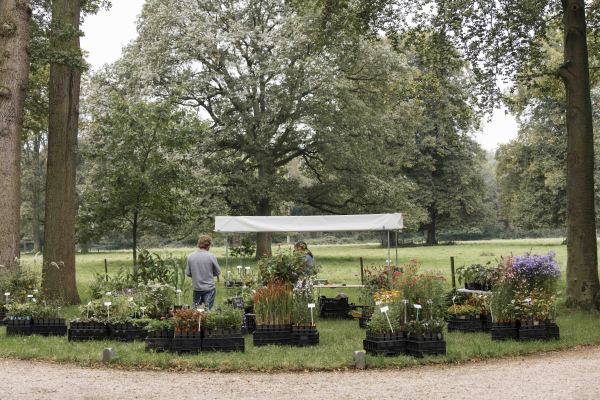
{"x":314,"y":223}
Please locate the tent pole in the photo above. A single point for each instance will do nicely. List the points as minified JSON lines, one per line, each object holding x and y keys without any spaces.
{"x":389,"y":260}
{"x":396,"y":249}
{"x":226,"y":252}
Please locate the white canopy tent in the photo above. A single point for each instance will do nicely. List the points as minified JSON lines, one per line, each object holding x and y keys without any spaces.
{"x":313,"y":223}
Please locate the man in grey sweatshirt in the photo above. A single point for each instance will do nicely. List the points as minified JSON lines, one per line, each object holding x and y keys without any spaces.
{"x":202,"y":266}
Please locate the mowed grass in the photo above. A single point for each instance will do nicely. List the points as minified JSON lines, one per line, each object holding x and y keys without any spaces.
{"x":338,"y":339}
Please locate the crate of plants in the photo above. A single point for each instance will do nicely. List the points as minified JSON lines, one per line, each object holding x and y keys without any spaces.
{"x":249,"y":323}
{"x":127,"y":329}
{"x":365,"y":316}
{"x":552,"y":330}
{"x":524,"y":298}
{"x":464,"y":318}
{"x":425,"y":338}
{"x":188,"y":332}
{"x":84,"y":329}
{"x":273,"y":309}
{"x":160,"y":334}
{"x":384,"y":333}
{"x":334,"y":308}
{"x":304,"y":318}
{"x":49,"y":326}
{"x":34,"y":318}
{"x":222,"y":330}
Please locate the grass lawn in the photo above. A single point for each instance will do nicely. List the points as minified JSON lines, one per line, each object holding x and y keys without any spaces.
{"x":338,"y":339}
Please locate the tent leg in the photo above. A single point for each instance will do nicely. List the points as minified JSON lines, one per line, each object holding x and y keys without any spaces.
{"x":389,"y":259}
{"x":396,"y":242}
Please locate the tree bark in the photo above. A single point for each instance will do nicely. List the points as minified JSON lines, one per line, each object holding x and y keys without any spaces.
{"x":134,"y":234}
{"x":431,"y":227}
{"x":58,"y":278}
{"x":582,"y":265}
{"x":14,"y":70}
{"x":263,"y":239}
{"x":36,"y":195}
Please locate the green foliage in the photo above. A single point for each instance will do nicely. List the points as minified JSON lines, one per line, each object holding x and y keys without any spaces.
{"x":300,"y":311}
{"x":118,"y":283}
{"x":379,"y":322}
{"x":474,"y":274}
{"x":121,"y":310}
{"x":224,"y":318}
{"x":169,"y":270}
{"x":160,"y":325}
{"x":33,"y":310}
{"x":19,"y":284}
{"x":286,"y":267}
{"x":426,"y":327}
{"x":246,"y":249}
{"x":157,"y":298}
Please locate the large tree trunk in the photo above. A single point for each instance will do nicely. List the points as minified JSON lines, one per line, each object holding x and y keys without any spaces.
{"x":263,"y":239}
{"x":582,"y":267}
{"x":432,"y":227}
{"x":59,"y":232}
{"x":36,"y":195}
{"x":14,"y":70}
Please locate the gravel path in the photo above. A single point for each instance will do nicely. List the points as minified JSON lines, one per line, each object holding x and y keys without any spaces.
{"x":572,"y":374}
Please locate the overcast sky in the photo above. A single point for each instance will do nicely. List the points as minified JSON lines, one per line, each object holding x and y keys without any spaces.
{"x":107,"y":32}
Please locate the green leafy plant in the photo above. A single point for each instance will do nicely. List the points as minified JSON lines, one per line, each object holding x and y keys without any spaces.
{"x":19,"y":284}
{"x":117,"y":283}
{"x":224,"y":318}
{"x":426,"y":327}
{"x":476,"y":276}
{"x":160,"y":325}
{"x":286,"y":267}
{"x":379,"y":322}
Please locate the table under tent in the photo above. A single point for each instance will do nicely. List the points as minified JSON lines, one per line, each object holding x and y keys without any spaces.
{"x":315,"y":223}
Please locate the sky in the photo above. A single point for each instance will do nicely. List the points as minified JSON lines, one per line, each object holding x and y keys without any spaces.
{"x":107,"y":32}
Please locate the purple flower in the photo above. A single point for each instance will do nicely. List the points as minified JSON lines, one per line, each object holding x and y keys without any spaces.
{"x":534,"y":267}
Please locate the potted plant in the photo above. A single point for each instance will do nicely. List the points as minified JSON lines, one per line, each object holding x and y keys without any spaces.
{"x":474,"y":276}
{"x":385,"y":334}
{"x":223,"y":330}
{"x":272,"y":306}
{"x":304,"y":328}
{"x":19,"y":317}
{"x":188,"y":332}
{"x":160,"y":334}
{"x":464,"y":318}
{"x":425,"y":337}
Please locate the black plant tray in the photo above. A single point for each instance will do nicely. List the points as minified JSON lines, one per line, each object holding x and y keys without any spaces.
{"x":2,"y":316}
{"x":471,"y":324}
{"x":18,"y":326}
{"x":126,"y":332}
{"x":504,"y":332}
{"x":272,"y":334}
{"x":49,"y":327}
{"x":82,"y":331}
{"x":425,"y":347}
{"x":335,"y":314}
{"x":552,"y":330}
{"x":159,"y":341}
{"x":533,"y":332}
{"x":388,"y":344}
{"x":305,"y":336}
{"x":187,"y":342}
{"x":223,"y":341}
{"x":486,"y":322}
{"x":333,"y":308}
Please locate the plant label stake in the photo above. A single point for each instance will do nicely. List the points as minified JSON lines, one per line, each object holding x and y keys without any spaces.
{"x":311,"y":306}
{"x":418,"y":307}
{"x":109,"y":293}
{"x":178,"y":296}
{"x":430,"y":302}
{"x":6,"y":296}
{"x":108,"y":304}
{"x":454,"y":304}
{"x":87,"y":314}
{"x":239,"y":268}
{"x":385,"y":310}
{"x":30,"y":296}
{"x":143,"y":310}
{"x":405,"y":302}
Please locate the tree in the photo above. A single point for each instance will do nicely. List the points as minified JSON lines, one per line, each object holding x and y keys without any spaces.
{"x":262,"y":77}
{"x":141,"y":171}
{"x":505,"y":39}
{"x":447,"y":165}
{"x":66,"y":65}
{"x":14,"y":48}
